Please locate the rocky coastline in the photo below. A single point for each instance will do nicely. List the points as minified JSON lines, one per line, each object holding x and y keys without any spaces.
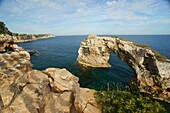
{"x":24,"y":37}
{"x":25,"y":90}
{"x":152,"y":70}
{"x":57,"y":90}
{"x":7,"y":35}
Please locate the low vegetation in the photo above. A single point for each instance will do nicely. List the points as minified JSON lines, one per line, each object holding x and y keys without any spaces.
{"x":125,"y":102}
{"x":117,"y":98}
{"x":36,"y":35}
{"x":114,"y":36}
{"x":4,"y":29}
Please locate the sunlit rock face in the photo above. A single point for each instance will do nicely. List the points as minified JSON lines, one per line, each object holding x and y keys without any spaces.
{"x":54,"y":90}
{"x":14,"y":63}
{"x":151,"y":69}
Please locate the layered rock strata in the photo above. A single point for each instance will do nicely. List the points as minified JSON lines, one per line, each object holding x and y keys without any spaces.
{"x":152,"y":71}
{"x":54,"y":90}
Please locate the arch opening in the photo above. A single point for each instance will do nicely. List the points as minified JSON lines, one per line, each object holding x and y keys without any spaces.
{"x":120,"y":69}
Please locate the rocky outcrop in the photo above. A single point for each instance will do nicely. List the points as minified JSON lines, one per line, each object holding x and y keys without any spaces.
{"x":152,"y":71}
{"x":32,"y":52}
{"x":54,"y":90}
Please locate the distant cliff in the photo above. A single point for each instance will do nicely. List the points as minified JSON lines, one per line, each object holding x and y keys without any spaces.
{"x":6,"y":35}
{"x":23,"y":37}
{"x":152,"y":70}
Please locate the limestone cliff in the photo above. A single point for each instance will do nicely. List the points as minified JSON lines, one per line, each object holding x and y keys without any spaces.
{"x":152,"y":71}
{"x":54,"y":90}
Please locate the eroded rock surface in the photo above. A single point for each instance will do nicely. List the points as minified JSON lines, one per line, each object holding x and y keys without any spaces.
{"x":24,"y":90}
{"x":151,"y":69}
{"x":86,"y":103}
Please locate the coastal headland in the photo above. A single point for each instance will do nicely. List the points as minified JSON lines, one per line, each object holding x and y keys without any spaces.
{"x":7,"y":35}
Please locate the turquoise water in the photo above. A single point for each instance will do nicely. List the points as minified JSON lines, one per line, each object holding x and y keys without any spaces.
{"x":61,"y":52}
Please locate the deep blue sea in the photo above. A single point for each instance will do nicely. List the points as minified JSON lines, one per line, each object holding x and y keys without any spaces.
{"x":61,"y":52}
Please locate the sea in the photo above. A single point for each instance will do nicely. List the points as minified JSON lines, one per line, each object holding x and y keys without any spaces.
{"x":62,"y":52}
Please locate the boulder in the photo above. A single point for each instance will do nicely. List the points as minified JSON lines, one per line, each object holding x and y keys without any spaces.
{"x":63,"y":80}
{"x":32,"y":52}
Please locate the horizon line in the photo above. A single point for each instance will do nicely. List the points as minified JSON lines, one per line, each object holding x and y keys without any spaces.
{"x":106,"y":34}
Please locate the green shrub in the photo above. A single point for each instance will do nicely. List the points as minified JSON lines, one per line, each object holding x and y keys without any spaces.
{"x":15,"y":34}
{"x":39,"y":35}
{"x":4,"y":29}
{"x":114,"y":36}
{"x":124,"y":102}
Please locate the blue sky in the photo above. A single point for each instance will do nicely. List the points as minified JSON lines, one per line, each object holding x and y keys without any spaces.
{"x":76,"y":17}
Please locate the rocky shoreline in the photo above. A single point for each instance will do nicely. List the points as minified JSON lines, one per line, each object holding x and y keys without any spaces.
{"x":7,"y":35}
{"x":25,"y":90}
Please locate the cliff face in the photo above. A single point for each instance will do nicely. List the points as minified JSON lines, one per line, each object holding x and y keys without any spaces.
{"x":152,"y":71}
{"x":24,"y":90}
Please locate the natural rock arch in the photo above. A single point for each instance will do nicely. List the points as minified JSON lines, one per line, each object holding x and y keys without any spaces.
{"x":151,"y":69}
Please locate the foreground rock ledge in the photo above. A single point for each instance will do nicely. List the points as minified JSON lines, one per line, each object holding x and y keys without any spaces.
{"x":54,"y":90}
{"x":151,"y":69}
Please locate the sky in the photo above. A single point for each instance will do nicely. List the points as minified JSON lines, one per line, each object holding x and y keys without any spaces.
{"x":83,"y":17}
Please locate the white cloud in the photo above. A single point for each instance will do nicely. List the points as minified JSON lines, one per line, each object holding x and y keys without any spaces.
{"x":112,"y":13}
{"x":111,"y":3}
